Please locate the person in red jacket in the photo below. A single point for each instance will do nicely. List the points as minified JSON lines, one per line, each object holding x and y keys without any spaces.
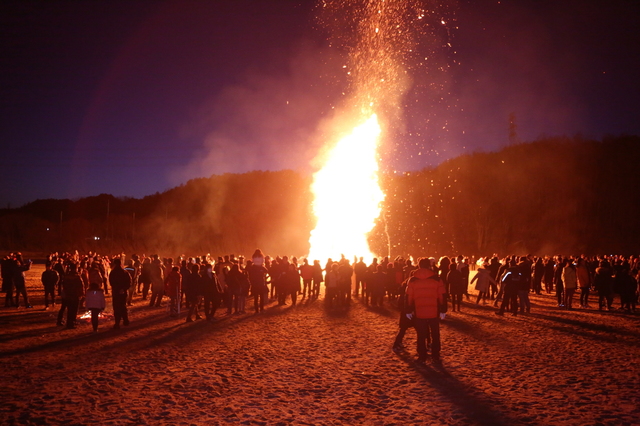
{"x":425,"y":294}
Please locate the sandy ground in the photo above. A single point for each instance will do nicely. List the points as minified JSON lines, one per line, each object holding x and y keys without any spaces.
{"x":309,"y":365}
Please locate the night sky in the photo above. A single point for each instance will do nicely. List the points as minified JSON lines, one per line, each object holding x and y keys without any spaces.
{"x":134,"y":97}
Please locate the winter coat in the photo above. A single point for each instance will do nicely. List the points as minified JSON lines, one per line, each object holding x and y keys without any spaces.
{"x":95,"y":277}
{"x":18,"y":274}
{"x":306,"y":272}
{"x":456,"y":283}
{"x":317,"y":274}
{"x":145,"y":274}
{"x":512,"y":280}
{"x":257,"y":274}
{"x":376,"y":283}
{"x":292,"y":281}
{"x":157,"y":278}
{"x":120,"y":280}
{"x":190,"y":285}
{"x":207,"y":285}
{"x":173,"y":284}
{"x":425,"y":293}
{"x":233,"y":281}
{"x":331,"y":280}
{"x":483,"y":278}
{"x":584,"y":280}
{"x":603,"y":281}
{"x":94,"y":299}
{"x":72,"y":287}
{"x":50,"y":278}
{"x":569,"y":277}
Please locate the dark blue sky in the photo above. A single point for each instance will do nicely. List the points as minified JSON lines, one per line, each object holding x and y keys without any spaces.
{"x":130,"y":98}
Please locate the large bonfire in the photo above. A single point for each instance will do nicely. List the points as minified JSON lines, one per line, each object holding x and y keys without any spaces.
{"x":379,"y":35}
{"x":347,"y":195}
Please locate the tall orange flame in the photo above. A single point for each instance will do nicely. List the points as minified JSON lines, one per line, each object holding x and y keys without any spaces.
{"x":347,"y":196}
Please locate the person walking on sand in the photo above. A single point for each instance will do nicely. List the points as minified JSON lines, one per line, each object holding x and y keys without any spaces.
{"x":120,"y":281}
{"x":484,"y":280}
{"x":425,"y":294}
{"x":95,"y":302}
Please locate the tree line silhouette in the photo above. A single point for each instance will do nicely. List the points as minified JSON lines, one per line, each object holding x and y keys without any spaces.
{"x":554,"y":195}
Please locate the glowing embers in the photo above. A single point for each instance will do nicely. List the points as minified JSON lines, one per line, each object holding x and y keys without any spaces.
{"x":347,"y":196}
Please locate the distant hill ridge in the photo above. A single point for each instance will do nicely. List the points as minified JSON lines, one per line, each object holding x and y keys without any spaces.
{"x":553,"y":195}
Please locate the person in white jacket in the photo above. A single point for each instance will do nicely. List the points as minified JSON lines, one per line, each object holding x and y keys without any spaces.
{"x":484,"y":280}
{"x":95,"y":302}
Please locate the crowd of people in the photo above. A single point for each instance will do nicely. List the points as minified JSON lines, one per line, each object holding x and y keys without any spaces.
{"x":421,"y":291}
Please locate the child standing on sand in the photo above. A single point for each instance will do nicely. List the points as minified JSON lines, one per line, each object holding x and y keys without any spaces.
{"x":94,"y":300}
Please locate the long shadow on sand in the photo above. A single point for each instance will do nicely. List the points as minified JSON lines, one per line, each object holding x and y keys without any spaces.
{"x":29,"y":324}
{"x":383,"y":311}
{"x":32,"y":332}
{"x":601,"y":332}
{"x":476,"y":408}
{"x":203,"y":329}
{"x":80,"y":337}
{"x":175,"y":331}
{"x":32,"y":317}
{"x":484,"y":317}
